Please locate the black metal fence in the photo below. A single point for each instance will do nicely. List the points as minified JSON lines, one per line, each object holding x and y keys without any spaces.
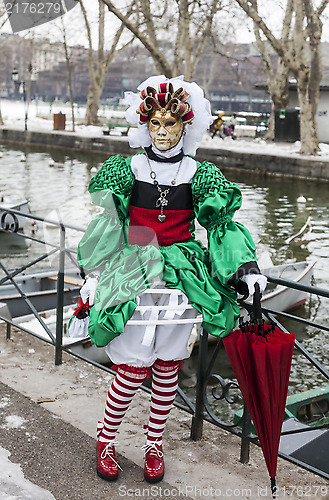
{"x":213,"y":392}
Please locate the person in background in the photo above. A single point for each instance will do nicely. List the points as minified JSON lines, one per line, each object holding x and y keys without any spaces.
{"x":143,"y":245}
{"x":217,"y":126}
{"x":233,"y":122}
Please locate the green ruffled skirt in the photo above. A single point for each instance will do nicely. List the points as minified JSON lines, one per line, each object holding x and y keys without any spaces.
{"x":184,"y":266}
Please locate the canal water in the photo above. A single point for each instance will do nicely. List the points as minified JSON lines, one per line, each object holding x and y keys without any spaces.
{"x":56,"y":185}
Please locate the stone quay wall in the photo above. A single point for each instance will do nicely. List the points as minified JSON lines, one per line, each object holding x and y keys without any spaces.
{"x":315,"y":169}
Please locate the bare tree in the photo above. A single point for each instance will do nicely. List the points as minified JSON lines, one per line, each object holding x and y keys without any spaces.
{"x":98,"y":65}
{"x":3,"y":20}
{"x":1,"y":119}
{"x":306,"y":28}
{"x":188,"y":23}
{"x":68,"y":59}
{"x":9,"y":60}
{"x":277,"y":74}
{"x":29,"y":79}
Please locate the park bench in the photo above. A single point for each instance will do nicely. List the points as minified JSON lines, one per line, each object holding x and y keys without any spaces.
{"x":116,"y":123}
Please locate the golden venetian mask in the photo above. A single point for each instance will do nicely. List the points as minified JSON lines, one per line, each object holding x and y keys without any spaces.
{"x":165,"y":129}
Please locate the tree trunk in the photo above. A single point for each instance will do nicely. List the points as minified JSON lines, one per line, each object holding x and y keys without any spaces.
{"x":69,"y":73}
{"x":314,"y":89}
{"x":1,"y":119}
{"x":29,"y":81}
{"x":94,"y":93}
{"x":309,"y":145}
{"x":304,"y":76}
{"x":72,"y":101}
{"x":91,"y":117}
{"x":315,"y":30}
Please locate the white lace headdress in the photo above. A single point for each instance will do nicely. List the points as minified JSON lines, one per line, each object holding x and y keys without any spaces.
{"x":193,"y":132}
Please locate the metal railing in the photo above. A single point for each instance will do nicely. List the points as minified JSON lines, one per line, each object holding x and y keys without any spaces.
{"x":204,"y":411}
{"x":201,"y":409}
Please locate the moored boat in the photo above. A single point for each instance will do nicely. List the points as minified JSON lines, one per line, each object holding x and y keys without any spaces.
{"x":280,"y":297}
{"x":41,"y":289}
{"x":17,"y":222}
{"x":306,"y":443}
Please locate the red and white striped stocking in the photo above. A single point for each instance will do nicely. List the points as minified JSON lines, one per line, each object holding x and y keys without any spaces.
{"x":164,"y":388}
{"x":122,"y":390}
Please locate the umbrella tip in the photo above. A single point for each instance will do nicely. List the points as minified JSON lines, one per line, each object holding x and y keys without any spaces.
{"x":273,"y":487}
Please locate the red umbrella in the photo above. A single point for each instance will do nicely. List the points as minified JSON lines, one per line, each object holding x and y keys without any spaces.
{"x":260,"y":356}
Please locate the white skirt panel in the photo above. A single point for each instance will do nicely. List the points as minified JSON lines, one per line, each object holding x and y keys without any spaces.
{"x":141,"y":345}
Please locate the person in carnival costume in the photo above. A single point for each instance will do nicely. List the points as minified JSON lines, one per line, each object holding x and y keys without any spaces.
{"x":144,"y":241}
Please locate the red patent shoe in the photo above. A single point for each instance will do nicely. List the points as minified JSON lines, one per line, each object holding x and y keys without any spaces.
{"x":107,"y":464}
{"x":154,"y":463}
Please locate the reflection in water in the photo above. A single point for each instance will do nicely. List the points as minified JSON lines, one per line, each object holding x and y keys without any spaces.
{"x":56,"y":184}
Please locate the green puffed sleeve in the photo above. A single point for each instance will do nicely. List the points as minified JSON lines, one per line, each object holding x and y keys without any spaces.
{"x":215,"y":201}
{"x":110,"y":189}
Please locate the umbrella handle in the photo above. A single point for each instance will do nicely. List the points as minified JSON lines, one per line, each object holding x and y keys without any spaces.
{"x":258,"y":317}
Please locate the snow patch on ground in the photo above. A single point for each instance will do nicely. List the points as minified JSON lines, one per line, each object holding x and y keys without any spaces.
{"x":260,"y":146}
{"x":13,"y":484}
{"x":14,"y":422}
{"x":40,"y":117}
{"x":5,"y":401}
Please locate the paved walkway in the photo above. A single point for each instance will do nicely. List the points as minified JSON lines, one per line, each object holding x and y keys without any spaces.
{"x":59,"y":457}
{"x":47,"y":420}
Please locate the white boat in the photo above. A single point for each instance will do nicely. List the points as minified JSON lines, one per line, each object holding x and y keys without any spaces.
{"x":21,"y":206}
{"x":41,"y":289}
{"x":282,"y":298}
